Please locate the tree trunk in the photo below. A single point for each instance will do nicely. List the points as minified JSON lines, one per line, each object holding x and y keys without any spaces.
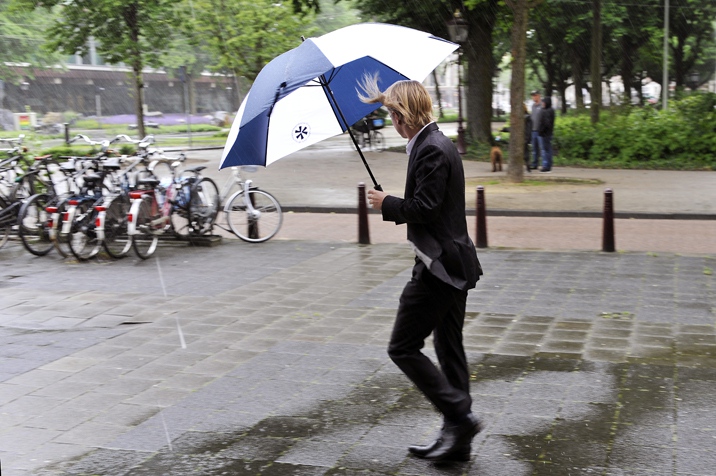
{"x":438,"y":96}
{"x":131,"y":17}
{"x":577,"y":81}
{"x":596,"y":65}
{"x":627,"y":71}
{"x":515,"y":169}
{"x":480,"y":70}
{"x":563,"y":97}
{"x":139,"y":99}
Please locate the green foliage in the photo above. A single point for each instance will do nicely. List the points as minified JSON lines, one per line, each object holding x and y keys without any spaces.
{"x":684,"y":137}
{"x":21,"y":39}
{"x":69,"y":151}
{"x":243,"y":36}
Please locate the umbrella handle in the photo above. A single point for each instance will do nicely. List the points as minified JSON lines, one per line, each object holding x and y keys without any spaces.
{"x":378,"y":187}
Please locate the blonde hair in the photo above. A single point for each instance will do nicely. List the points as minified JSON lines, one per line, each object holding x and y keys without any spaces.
{"x":408,"y":99}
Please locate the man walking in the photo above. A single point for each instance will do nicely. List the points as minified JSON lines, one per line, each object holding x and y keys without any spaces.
{"x":446,"y":266}
{"x":536,"y":114}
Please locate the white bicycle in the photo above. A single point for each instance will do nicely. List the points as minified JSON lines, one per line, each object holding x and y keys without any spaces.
{"x":252,"y":214}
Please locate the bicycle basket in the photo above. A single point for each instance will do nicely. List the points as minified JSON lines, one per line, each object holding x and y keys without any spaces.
{"x":378,"y":123}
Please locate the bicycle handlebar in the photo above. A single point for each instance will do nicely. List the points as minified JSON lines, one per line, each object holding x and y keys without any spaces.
{"x":17,"y":141}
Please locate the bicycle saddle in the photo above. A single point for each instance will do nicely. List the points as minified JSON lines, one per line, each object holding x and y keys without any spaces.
{"x":195,"y":169}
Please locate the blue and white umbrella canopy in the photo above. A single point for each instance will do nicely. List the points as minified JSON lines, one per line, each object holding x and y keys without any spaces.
{"x":310,"y":93}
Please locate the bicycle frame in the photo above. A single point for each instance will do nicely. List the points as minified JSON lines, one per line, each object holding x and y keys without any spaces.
{"x":244,"y":187}
{"x":159,"y":224}
{"x":8,"y":215}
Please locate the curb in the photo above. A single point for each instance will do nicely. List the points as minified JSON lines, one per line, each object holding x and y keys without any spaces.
{"x":526,"y":213}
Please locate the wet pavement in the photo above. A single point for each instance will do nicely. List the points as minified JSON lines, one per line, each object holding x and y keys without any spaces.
{"x":270,"y":359}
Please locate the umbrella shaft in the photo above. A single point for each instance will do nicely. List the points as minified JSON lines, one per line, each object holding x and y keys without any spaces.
{"x":325,"y":85}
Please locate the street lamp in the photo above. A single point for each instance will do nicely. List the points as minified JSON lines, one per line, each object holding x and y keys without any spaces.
{"x":457,"y":29}
{"x":25,"y":87}
{"x":694,"y":80}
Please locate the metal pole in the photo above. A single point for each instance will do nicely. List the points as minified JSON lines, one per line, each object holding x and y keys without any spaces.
{"x":98,"y":107}
{"x":481,"y":221}
{"x":608,"y":244}
{"x":363,"y":232}
{"x":665,"y":80}
{"x":67,"y":133}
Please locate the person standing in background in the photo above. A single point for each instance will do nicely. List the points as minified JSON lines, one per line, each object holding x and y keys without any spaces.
{"x":536,"y":113}
{"x":546,"y":128}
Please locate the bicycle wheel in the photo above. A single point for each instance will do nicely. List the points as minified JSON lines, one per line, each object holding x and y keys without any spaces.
{"x":377,"y":141}
{"x":116,"y":240}
{"x":62,"y":240}
{"x":83,"y":238}
{"x":203,"y":206}
{"x":144,"y":241}
{"x":255,"y":218}
{"x":33,"y":226}
{"x":6,"y":227}
{"x":181,"y":227}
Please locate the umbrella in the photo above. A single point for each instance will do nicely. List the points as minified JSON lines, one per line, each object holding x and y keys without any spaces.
{"x":310,"y":93}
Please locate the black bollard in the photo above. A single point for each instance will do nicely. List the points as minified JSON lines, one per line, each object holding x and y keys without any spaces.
{"x":363,"y":232}
{"x":481,"y":221}
{"x":608,"y":218}
{"x":253,"y":222}
{"x":67,"y":133}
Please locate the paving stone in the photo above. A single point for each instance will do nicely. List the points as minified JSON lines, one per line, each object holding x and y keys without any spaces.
{"x":246,"y":378}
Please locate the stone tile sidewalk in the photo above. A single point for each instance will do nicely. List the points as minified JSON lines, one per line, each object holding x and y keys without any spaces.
{"x":270,"y":359}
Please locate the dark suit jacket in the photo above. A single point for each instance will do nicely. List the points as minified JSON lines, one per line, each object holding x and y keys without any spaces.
{"x":434,"y":209}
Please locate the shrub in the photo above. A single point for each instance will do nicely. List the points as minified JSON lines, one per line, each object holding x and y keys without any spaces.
{"x":683,"y":137}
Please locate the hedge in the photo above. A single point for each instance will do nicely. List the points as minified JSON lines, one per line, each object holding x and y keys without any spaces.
{"x":683,"y":137}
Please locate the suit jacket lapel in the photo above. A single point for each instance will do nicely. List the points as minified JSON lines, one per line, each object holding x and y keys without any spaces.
{"x":421,"y":137}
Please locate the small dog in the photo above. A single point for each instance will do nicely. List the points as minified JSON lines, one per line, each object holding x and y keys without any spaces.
{"x":496,"y":156}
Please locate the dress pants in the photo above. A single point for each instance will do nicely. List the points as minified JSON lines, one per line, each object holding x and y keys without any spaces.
{"x":427,"y":306}
{"x":545,"y":143}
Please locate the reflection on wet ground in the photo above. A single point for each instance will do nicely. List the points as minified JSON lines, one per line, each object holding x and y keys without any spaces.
{"x":581,"y":363}
{"x":543,"y":416}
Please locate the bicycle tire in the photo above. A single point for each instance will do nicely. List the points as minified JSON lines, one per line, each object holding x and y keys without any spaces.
{"x":180,"y":213}
{"x":254,"y":229}
{"x":116,"y":239}
{"x":61,"y":241}
{"x":377,"y":141}
{"x":144,"y":241}
{"x":203,"y":206}
{"x":83,"y":238}
{"x":4,"y":229}
{"x":33,"y":223}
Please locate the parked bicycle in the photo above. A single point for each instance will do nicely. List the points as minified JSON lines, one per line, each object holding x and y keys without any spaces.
{"x":45,"y":181}
{"x":252,"y":214}
{"x":152,"y":204}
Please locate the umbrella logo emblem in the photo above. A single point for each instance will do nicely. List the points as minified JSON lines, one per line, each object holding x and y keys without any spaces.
{"x":301,"y":132}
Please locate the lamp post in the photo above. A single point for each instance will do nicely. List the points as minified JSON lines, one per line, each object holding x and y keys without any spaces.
{"x":457,"y":29}
{"x":693,"y":80}
{"x":98,"y":104}
{"x":25,"y":87}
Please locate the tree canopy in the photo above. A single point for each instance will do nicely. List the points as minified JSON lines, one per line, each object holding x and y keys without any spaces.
{"x":21,"y":42}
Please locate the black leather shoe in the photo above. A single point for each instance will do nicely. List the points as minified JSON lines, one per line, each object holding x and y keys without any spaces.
{"x":454,"y":440}
{"x":421,"y":451}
